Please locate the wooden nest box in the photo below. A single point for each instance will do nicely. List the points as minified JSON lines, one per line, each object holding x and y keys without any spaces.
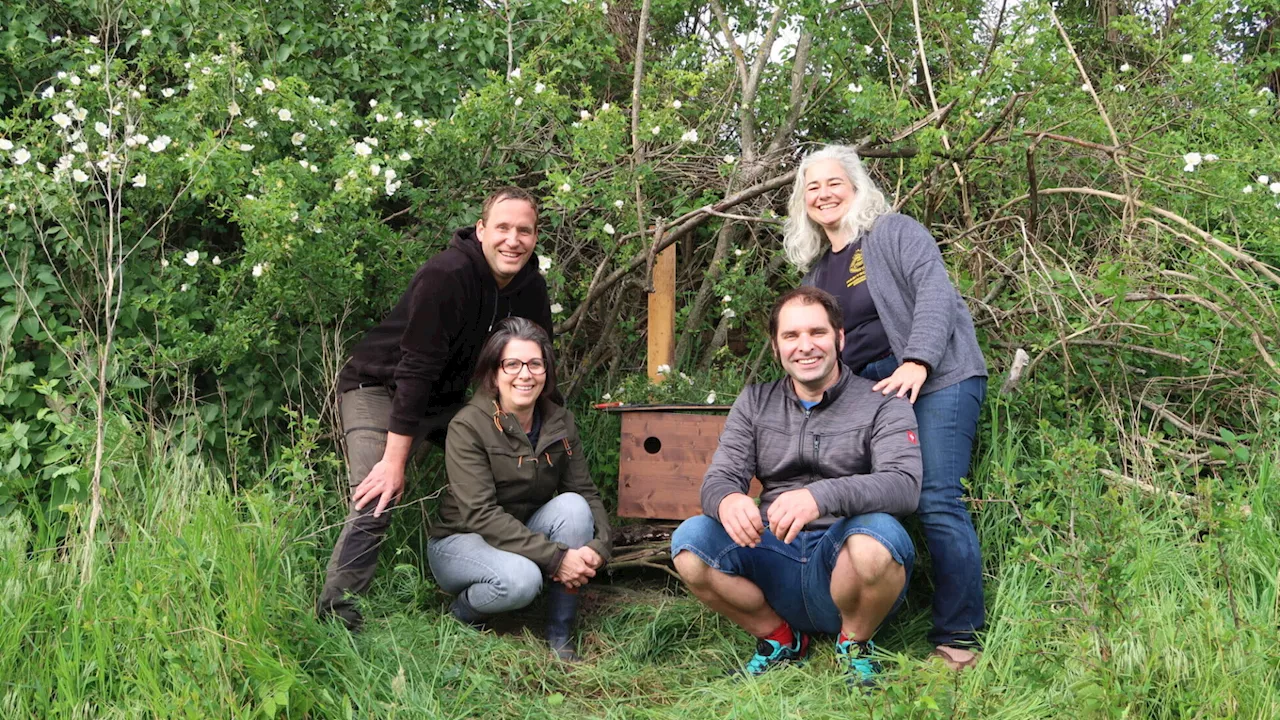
{"x":665,"y":449}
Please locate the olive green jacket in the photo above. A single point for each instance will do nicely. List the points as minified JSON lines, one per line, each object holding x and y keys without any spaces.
{"x":497,"y":480}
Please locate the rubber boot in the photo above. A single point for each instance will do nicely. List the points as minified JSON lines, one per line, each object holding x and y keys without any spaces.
{"x":562,"y":615}
{"x":465,"y":613}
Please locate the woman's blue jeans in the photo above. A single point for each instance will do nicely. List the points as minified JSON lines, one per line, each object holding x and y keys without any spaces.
{"x":948,"y":420}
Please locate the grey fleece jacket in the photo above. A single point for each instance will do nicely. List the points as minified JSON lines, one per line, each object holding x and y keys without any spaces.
{"x":856,"y":451}
{"x":924,"y":317}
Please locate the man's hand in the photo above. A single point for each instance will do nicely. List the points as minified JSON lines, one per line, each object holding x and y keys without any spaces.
{"x":906,"y":381}
{"x":384,"y":482}
{"x":791,"y":512}
{"x":575,"y":570}
{"x":741,"y":519}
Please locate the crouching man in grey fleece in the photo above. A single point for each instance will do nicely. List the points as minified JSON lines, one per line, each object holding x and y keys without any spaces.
{"x":839,"y":463}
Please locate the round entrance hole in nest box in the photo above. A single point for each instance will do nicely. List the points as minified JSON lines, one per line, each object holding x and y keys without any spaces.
{"x":652,"y":445}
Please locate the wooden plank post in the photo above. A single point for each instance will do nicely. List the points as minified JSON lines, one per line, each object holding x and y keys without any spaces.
{"x":662,"y":313}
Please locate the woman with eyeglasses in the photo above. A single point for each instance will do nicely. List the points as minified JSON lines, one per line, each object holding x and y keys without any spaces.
{"x":520,"y":510}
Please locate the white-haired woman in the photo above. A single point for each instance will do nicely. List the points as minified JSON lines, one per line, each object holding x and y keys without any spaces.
{"x":908,"y":329}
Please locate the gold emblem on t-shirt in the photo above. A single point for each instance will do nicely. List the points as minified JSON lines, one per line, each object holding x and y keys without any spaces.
{"x":857,"y":271}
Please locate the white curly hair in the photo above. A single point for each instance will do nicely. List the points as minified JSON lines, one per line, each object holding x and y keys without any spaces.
{"x":803,"y":239}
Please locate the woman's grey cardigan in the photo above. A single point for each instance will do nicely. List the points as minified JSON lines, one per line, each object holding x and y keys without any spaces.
{"x":923,"y":315}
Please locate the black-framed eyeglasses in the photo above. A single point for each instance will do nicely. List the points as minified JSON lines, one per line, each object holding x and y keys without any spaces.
{"x":512,"y":366}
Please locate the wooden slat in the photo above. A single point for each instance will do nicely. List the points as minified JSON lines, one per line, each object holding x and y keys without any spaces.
{"x":662,"y":313}
{"x":665,"y":485}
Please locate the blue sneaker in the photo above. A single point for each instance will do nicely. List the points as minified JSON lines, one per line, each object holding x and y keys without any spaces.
{"x":772,"y":654}
{"x":860,"y":669}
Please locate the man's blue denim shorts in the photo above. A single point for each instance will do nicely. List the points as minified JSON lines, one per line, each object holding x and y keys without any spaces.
{"x":795,"y":578}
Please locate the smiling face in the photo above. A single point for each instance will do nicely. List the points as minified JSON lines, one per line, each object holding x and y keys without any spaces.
{"x":828,"y":194}
{"x":808,"y":347}
{"x":519,"y":391}
{"x":507,"y":237}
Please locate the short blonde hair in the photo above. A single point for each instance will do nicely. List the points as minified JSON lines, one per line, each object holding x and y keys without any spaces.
{"x":803,"y":239}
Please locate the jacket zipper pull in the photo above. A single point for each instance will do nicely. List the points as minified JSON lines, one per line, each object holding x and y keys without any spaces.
{"x":568,"y":450}
{"x":547,"y":455}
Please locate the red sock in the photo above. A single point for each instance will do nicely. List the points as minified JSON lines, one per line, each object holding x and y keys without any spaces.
{"x":845,"y":638}
{"x":783,"y":634}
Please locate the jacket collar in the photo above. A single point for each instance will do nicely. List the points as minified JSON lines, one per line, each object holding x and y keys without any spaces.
{"x":828,"y":397}
{"x":465,"y":240}
{"x":554,"y":420}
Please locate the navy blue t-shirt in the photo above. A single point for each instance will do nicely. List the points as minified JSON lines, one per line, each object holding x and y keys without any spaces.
{"x":845,"y":277}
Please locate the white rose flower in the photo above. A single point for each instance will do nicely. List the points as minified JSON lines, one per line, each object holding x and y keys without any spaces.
{"x":20,"y":156}
{"x":866,"y":49}
{"x":676,"y":104}
{"x":373,"y":103}
{"x":556,"y":308}
{"x":191,"y":258}
{"x":101,"y":128}
{"x":1247,"y":189}
{"x":515,"y":74}
{"x":618,"y":204}
{"x":855,"y":88}
{"x":607,"y":396}
{"x":519,"y":101}
{"x":608,"y":229}
{"x":146,"y":32}
{"x":94,"y":39}
{"x":664,"y":369}
{"x":79,"y":114}
{"x":379,"y":117}
{"x":80,"y":147}
{"x":159,"y":144}
{"x":6,"y":144}
{"x":373,"y":141}
{"x":140,"y":180}
{"x":1124,"y":67}
{"x":183,"y":288}
{"x":62,"y":120}
{"x":375,"y":170}
{"x":1264,"y":179}
{"x":737,"y":252}
{"x":1120,"y":88}
{"x":284,"y":114}
{"x":729,"y":313}
{"x":585,"y":115}
{"x":1086,"y":87}
{"x":216,"y":260}
{"x":405,"y":157}
{"x":726,"y":299}
{"x":79,"y":175}
{"x":1211,"y":158}
{"x":363,"y":150}
{"x":1274,"y":187}
{"x":168,"y":92}
{"x":711,"y":397}
{"x":1253,"y":112}
{"x":565,"y":187}
{"x":390,"y":174}
{"x":690,"y":136}
{"x":259,"y":269}
{"x":164,"y":262}
{"x":94,"y":70}
{"x":729,"y":159}
{"x":298,"y":138}
{"x":268,"y":84}
{"x":655,"y":129}
{"x":1187,"y":57}
{"x":539,"y":88}
{"x":245,"y":147}
{"x":544,"y":264}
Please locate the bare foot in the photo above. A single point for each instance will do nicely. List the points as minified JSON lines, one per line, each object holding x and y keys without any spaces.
{"x":956,"y":658}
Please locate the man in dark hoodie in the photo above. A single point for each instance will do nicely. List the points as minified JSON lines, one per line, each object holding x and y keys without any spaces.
{"x":409,"y":375}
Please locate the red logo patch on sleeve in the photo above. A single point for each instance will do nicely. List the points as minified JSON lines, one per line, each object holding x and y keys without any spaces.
{"x":911,"y":437}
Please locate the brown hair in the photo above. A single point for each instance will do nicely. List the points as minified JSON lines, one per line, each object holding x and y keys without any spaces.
{"x":508,"y":192}
{"x":807,"y":295}
{"x":490,"y":360}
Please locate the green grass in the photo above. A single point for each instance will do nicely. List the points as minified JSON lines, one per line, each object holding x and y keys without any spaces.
{"x":1103,"y":602}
